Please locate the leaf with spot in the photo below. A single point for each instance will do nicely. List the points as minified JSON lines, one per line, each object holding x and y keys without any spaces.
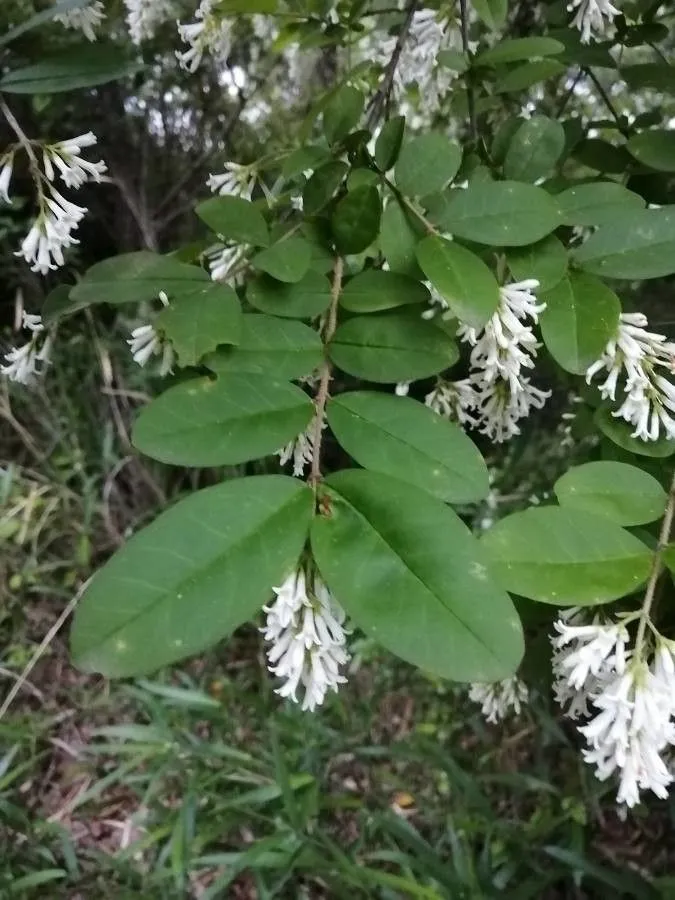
{"x":581,"y":316}
{"x":567,"y":557}
{"x":596,"y":203}
{"x":399,"y":236}
{"x":410,"y":574}
{"x":223,"y":422}
{"x":278,"y":348}
{"x":635,"y":245}
{"x":427,"y":163}
{"x":405,"y":439}
{"x":623,"y":493}
{"x":190,"y":578}
{"x":534,"y":150}
{"x":391,"y":347}
{"x":461,"y":278}
{"x":499,"y":213}
{"x":198,"y":321}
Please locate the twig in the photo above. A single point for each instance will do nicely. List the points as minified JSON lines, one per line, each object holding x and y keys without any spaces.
{"x":470,"y":99}
{"x":411,"y":206}
{"x":606,"y":100}
{"x":326,"y":372}
{"x":657,"y":566}
{"x":49,"y":637}
{"x":24,"y":140}
{"x":568,"y":95}
{"x":380,"y":98}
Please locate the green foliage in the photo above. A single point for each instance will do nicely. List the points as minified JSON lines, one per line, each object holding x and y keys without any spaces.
{"x":196,"y":323}
{"x":235,"y":219}
{"x":637,"y":244}
{"x":623,"y":493}
{"x":375,"y":290}
{"x":83,"y":67}
{"x":534,"y":150}
{"x":427,"y":164}
{"x":288,"y":260}
{"x":306,"y":298}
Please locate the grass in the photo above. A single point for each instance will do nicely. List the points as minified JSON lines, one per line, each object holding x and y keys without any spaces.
{"x":199,"y":782}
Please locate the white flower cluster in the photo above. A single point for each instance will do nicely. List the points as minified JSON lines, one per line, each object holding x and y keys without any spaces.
{"x":628,"y":701}
{"x":86,"y":19}
{"x":235,"y":180}
{"x":649,"y":396}
{"x":454,"y":400}
{"x":210,"y":33}
{"x":223,"y":260}
{"x":300,"y":450}
{"x":146,"y":341}
{"x":304,"y":626}
{"x":502,"y":394}
{"x":24,"y":363}
{"x":52,"y":230}
{"x":145,"y":16}
{"x":590,"y":18}
{"x":500,"y":698}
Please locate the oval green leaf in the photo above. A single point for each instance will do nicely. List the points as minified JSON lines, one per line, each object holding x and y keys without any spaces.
{"x":322,"y":186}
{"x":427,"y":164}
{"x":342,"y":113}
{"x":546,"y":261}
{"x":305,"y":299}
{"x":461,"y":278}
{"x":198,"y":321}
{"x":403,"y":438}
{"x":235,"y":219}
{"x":201,"y":569}
{"x":637,"y":244}
{"x":388,"y":143}
{"x":621,"y":434}
{"x":518,"y":49}
{"x":581,"y":316}
{"x":375,"y":290}
{"x":410,"y":574}
{"x":392,"y":348}
{"x":535,"y":149}
{"x":278,"y":348}
{"x":523,"y":77}
{"x":567,"y":557}
{"x":622,"y":493}
{"x":356,"y":219}
{"x":596,"y":203}
{"x":78,"y":67}
{"x":223,"y":422}
{"x":655,"y":149}
{"x":288,"y":260}
{"x":499,"y":213}
{"x":399,"y":236}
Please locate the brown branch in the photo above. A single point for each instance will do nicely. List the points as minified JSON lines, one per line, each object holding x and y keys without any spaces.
{"x":326,"y":373}
{"x":381,"y":96}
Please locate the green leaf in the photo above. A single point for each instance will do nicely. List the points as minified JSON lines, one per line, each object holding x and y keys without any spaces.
{"x":390,"y":348}
{"x":603,"y":156}
{"x":388,"y":143}
{"x":534,"y":150}
{"x":423,"y":590}
{"x":135,"y":278}
{"x":566,"y":557}
{"x":375,"y":290}
{"x":581,"y":316}
{"x":288,"y":260}
{"x":427,"y":164}
{"x":235,"y":219}
{"x":453,"y":59}
{"x":305,"y":299}
{"x":499,"y":213}
{"x":523,"y":77}
{"x":461,"y":277}
{"x":47,"y":15}
{"x":342,"y":113}
{"x":620,"y":433}
{"x":57,"y":303}
{"x":655,"y":149}
{"x":518,"y":49}
{"x":197,"y":322}
{"x":277,"y":348}
{"x":546,"y":261}
{"x":200,"y":570}
{"x":310,"y":156}
{"x":356,"y":220}
{"x":78,"y":67}
{"x":322,"y":186}
{"x":491,"y":12}
{"x":223,"y":422}
{"x":405,"y":439}
{"x":399,"y":235}
{"x":636,"y":244}
{"x":597,"y":203}
{"x":248,"y":7}
{"x":660,"y":76}
{"x":622,"y":493}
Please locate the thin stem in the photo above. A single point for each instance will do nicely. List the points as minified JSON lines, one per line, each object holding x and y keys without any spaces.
{"x":470,"y":99}
{"x":24,"y":140}
{"x":568,"y":95}
{"x":606,"y":100}
{"x":326,"y":373}
{"x":411,"y":206}
{"x":657,"y":567}
{"x":383,"y":91}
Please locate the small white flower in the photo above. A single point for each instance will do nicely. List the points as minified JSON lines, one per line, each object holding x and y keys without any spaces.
{"x":439,"y":305}
{"x":499,"y":698}
{"x":210,"y":33}
{"x":402,"y":389}
{"x":455,"y":400}
{"x":235,"y":180}
{"x":145,"y":16}
{"x":590,"y":18}
{"x":86,"y":19}
{"x":146,"y":342}
{"x":223,"y":260}
{"x":304,"y":625}
{"x":24,"y":363}
{"x":300,"y":450}
{"x":66,"y":157}
{"x":636,"y":358}
{"x":6,"y":177}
